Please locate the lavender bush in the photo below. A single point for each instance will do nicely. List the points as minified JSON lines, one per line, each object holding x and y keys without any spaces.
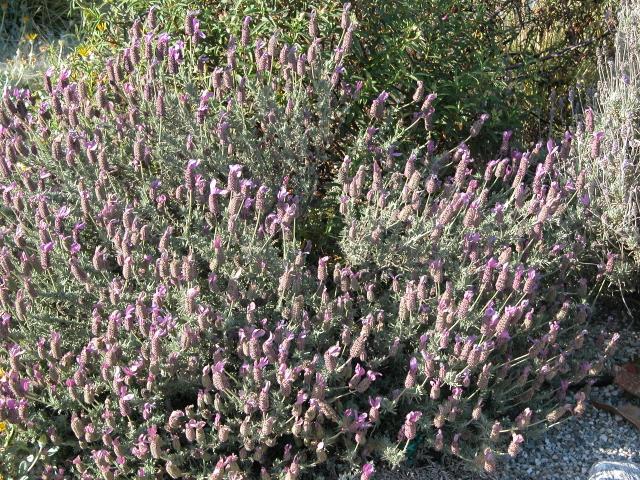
{"x":161,"y":317}
{"x":608,"y":148}
{"x":483,"y":277}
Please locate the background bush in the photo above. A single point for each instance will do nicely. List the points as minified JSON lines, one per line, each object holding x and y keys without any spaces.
{"x":164,"y":315}
{"x":551,"y":48}
{"x":500,"y":57}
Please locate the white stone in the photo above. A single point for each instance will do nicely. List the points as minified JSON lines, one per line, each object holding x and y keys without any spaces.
{"x":614,"y":471}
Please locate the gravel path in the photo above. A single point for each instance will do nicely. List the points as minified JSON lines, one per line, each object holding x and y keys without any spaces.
{"x":569,"y":450}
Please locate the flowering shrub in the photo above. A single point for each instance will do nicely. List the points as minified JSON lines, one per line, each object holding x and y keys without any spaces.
{"x":608,"y":148}
{"x":398,"y":42}
{"x":499,"y":56}
{"x":161,"y":317}
{"x":482,"y":278}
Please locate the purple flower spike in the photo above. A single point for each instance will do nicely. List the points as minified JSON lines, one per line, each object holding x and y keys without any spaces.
{"x":413,"y":417}
{"x":413,"y":365}
{"x":368,"y":470}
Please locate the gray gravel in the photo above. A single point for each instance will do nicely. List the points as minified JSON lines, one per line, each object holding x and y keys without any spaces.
{"x":431,"y":471}
{"x":569,"y":450}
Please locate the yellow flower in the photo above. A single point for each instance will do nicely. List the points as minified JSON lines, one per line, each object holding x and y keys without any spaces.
{"x":83,"y":51}
{"x":3,"y":427}
{"x":31,"y":36}
{"x":102,"y":26}
{"x":21,"y":167}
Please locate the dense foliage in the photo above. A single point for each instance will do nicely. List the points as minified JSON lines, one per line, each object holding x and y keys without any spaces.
{"x":162,"y":314}
{"x":608,"y":148}
{"x":500,"y":57}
